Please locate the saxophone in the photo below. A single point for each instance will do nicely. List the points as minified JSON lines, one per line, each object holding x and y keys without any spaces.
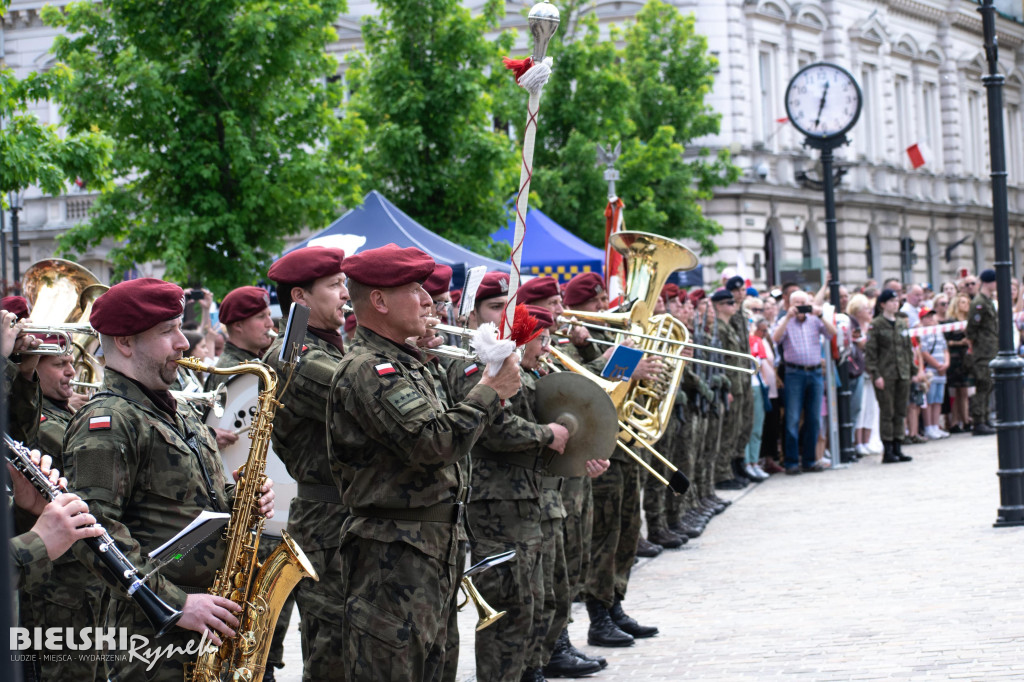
{"x":260,"y":589}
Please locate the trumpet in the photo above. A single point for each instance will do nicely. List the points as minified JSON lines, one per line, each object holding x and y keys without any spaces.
{"x":574,"y":321}
{"x":88,"y":385}
{"x":213,"y":400}
{"x":65,"y":344}
{"x":486,"y":613}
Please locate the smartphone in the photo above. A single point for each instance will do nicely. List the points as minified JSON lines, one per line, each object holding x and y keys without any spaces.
{"x":805,"y":309}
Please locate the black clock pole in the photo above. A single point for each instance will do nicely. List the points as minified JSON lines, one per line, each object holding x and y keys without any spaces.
{"x":1008,"y":367}
{"x":827,"y":145}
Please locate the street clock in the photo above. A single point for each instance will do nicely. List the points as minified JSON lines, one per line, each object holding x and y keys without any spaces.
{"x":823,"y":101}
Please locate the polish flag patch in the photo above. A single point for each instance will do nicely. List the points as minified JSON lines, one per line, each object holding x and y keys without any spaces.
{"x":563,"y":341}
{"x":42,"y":418}
{"x":384,"y":369}
{"x":471,"y":370}
{"x":305,"y":348}
{"x":98,"y":423}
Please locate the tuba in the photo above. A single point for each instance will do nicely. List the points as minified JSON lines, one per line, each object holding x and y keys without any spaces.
{"x":62,"y":292}
{"x":261,"y":589}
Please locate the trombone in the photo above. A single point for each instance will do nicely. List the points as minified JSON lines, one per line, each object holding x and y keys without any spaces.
{"x":672,"y":356}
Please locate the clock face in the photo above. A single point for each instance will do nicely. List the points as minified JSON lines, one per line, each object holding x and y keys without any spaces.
{"x":823,"y":100}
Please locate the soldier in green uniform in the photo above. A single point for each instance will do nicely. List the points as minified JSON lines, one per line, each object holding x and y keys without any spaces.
{"x":577,"y":502}
{"x":720,"y":384}
{"x":249,"y":326}
{"x":983,"y":340}
{"x":743,"y":405}
{"x":889,"y":361}
{"x":147,"y":466}
{"x":656,"y":494}
{"x":395,"y":453}
{"x":73,"y":597}
{"x":725,"y":309}
{"x":312,"y":276}
{"x":616,"y":493}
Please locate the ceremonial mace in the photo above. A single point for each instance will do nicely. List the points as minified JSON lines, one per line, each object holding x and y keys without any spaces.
{"x":531,"y":74}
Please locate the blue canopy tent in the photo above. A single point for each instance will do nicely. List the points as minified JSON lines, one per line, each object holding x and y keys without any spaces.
{"x":552,"y":250}
{"x":378,"y":222}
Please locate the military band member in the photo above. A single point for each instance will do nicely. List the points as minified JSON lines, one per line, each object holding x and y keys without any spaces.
{"x":24,"y":398}
{"x":616,"y":493}
{"x":313,"y":277}
{"x":245,"y":315}
{"x":545,"y":293}
{"x":147,"y":467}
{"x":983,"y":346}
{"x":889,"y":361}
{"x":395,"y":452}
{"x":72,"y":597}
{"x":743,"y":406}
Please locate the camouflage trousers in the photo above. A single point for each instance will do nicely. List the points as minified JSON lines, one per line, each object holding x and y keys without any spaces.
{"x":616,"y":531}
{"x":689,"y":439}
{"x":732,"y":432}
{"x":708,"y":459}
{"x":892,"y":409}
{"x":517,"y":587}
{"x":745,"y":416}
{"x":399,"y":604}
{"x":655,"y":493}
{"x":320,"y":604}
{"x":579,"y":523}
{"x":982,"y":390}
{"x":268,"y":543}
{"x":37,"y":611}
{"x":554,"y":616}
{"x":451,"y":646}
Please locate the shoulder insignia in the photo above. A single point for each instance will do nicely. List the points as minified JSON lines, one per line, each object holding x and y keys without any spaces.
{"x":42,"y":418}
{"x":99,"y":423}
{"x":471,"y":370}
{"x":384,"y":369}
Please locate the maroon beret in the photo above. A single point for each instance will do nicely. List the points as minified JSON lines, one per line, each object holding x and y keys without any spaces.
{"x":696,"y":295}
{"x":134,"y":306}
{"x":389,"y":266}
{"x":15,"y":304}
{"x":439,"y":281}
{"x":456,"y":297}
{"x":582,"y":288}
{"x":669,"y":291}
{"x":537,"y":289}
{"x":544,"y":317}
{"x":243,"y":303}
{"x":494,"y":284}
{"x":350,"y":324}
{"x":306,"y":264}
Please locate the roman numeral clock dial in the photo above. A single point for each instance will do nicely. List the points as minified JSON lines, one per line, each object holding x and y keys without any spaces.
{"x":823,"y":101}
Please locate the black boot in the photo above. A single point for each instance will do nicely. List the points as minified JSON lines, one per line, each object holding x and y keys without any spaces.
{"x":604,"y":632}
{"x":646,"y":549}
{"x":628,"y":625}
{"x":888,"y":456}
{"x":666,"y":538}
{"x":897,"y":450}
{"x":600,"y":660}
{"x":564,"y":663}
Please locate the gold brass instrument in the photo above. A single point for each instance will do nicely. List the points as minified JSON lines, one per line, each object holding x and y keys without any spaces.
{"x":61,"y":294}
{"x":261,"y":589}
{"x":487,"y":615}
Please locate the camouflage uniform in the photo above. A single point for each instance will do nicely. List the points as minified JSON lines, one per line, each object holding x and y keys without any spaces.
{"x":395,"y":451}
{"x":316,"y":514}
{"x":983,"y":332}
{"x":692,"y":426}
{"x":232,"y":355}
{"x":505,"y":514}
{"x":554,"y":616}
{"x":743,"y":403}
{"x":889,"y":354}
{"x":145,"y":475}
{"x":731,"y":426}
{"x":24,"y":399}
{"x":656,"y":493}
{"x":72,"y":597}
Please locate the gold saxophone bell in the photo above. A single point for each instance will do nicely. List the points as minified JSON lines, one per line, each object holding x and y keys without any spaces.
{"x":486,"y":614}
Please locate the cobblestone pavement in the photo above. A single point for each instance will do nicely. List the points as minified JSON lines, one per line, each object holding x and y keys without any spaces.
{"x":870,"y":572}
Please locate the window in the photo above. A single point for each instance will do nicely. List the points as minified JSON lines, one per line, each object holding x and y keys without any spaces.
{"x":931,"y":126}
{"x":974,"y":135}
{"x":871,"y":131}
{"x":766,"y":81}
{"x":869,"y":252}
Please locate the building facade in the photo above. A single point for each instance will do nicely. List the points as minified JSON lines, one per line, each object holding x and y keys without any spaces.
{"x":919,"y":64}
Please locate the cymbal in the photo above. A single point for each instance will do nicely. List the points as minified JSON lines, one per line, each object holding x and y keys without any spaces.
{"x":578,"y":404}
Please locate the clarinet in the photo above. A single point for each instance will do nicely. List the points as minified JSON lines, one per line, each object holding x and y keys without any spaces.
{"x":162,"y":616}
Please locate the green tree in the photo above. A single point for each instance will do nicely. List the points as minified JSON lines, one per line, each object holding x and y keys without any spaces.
{"x":424,"y":90}
{"x":648,"y":94}
{"x":32,"y":153}
{"x":227,"y":137}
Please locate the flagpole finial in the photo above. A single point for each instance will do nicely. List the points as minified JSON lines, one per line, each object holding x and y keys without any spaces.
{"x":543,"y":20}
